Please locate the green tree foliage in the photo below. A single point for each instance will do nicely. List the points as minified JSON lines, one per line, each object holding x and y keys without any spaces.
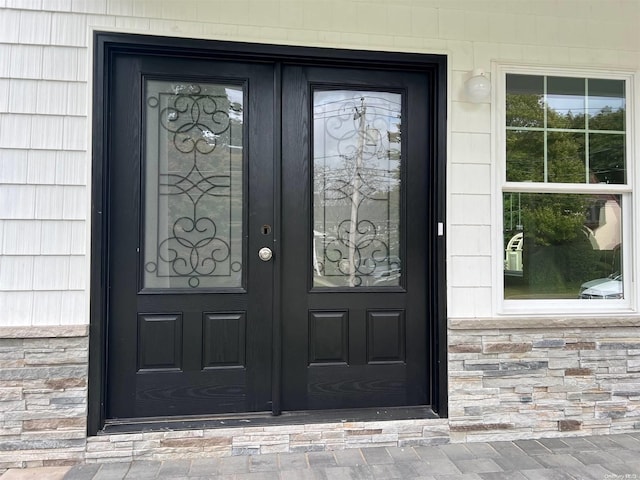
{"x":525,"y":110}
{"x":565,"y":153}
{"x":552,"y":219}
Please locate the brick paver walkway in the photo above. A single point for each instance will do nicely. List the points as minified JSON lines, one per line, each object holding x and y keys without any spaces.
{"x":608,"y":457}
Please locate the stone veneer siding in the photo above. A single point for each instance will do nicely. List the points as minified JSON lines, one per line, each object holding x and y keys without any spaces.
{"x":43,"y":411}
{"x":43,"y":396}
{"x":508,"y":379}
{"x":531,"y":378}
{"x":267,"y":439}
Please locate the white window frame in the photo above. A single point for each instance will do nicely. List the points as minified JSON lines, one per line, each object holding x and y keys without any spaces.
{"x":629,"y":193}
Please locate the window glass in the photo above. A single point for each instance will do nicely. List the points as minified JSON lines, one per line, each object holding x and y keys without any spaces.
{"x":193,"y":195}
{"x":525,"y":156}
{"x":565,"y":155}
{"x":607,"y":158}
{"x":606,"y":105}
{"x":565,"y":102}
{"x":525,"y":101}
{"x":357,"y":162}
{"x":562,"y":246}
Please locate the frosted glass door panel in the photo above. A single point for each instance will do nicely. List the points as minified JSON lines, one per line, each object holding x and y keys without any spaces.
{"x":357,"y":184}
{"x":193,"y":191}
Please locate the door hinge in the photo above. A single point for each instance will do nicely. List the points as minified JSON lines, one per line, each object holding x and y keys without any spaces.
{"x":440,"y":229}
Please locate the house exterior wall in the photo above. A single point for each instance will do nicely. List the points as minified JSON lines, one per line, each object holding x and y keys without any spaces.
{"x":510,"y":377}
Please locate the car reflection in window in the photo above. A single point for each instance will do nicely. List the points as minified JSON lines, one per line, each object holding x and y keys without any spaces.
{"x":388,"y":272}
{"x":603,"y":288}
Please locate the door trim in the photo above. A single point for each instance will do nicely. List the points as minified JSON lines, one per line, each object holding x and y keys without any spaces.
{"x":108,"y":44}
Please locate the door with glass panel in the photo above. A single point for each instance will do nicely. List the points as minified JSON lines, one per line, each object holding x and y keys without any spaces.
{"x":189,"y":298}
{"x":194,"y":245}
{"x":355,"y":250}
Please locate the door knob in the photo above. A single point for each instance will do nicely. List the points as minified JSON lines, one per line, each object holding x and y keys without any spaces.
{"x":265,"y":254}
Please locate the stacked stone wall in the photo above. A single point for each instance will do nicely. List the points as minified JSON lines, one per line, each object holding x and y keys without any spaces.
{"x":554,"y":380}
{"x":43,"y":396}
{"x":265,"y":439}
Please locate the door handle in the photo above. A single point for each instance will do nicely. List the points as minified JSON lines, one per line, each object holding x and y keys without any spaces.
{"x":265,"y":254}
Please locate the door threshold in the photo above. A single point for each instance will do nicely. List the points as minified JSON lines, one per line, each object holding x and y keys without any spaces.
{"x":253,"y":419}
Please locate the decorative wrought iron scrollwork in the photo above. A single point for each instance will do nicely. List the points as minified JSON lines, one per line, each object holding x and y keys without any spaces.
{"x":195,"y":124}
{"x":370,"y":252}
{"x":194,"y":119}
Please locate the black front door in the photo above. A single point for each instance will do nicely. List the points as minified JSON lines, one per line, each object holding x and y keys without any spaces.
{"x":240,"y":189}
{"x":189,"y":300}
{"x":354,"y":246}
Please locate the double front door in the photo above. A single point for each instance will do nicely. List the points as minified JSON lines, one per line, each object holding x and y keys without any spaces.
{"x":267,"y":237}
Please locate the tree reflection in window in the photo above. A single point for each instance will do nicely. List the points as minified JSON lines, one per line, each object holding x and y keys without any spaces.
{"x":571,"y":131}
{"x":357,"y":182}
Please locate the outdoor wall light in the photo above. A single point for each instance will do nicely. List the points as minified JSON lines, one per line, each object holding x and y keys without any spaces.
{"x":477,"y":87}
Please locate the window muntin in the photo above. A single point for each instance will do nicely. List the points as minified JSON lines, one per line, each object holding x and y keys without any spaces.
{"x":566,"y":182}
